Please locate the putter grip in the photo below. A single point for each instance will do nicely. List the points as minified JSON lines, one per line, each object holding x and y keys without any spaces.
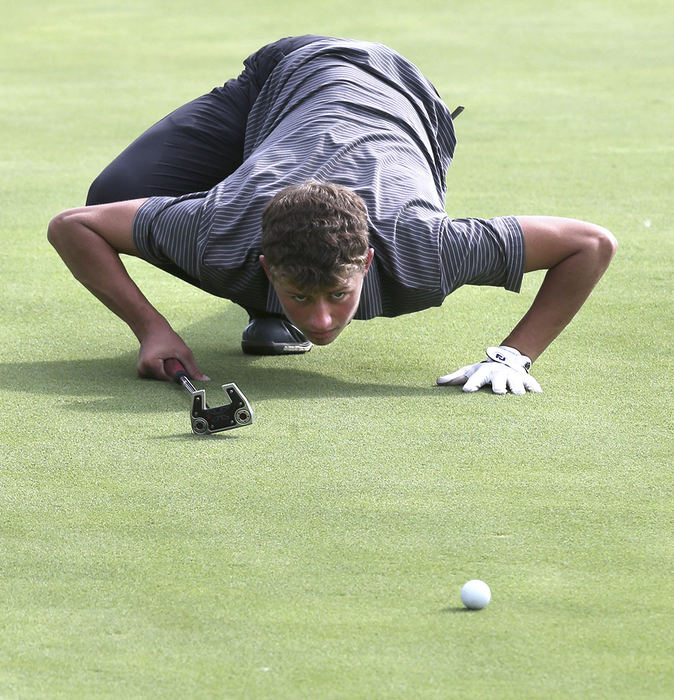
{"x":174,"y":368}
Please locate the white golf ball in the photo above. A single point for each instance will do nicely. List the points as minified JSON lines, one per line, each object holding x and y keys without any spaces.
{"x":475,"y":594}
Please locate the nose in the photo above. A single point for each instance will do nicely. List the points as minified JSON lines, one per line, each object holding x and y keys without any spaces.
{"x":321,"y":318}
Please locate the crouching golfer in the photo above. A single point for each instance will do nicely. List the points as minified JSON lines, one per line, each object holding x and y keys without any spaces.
{"x":311,"y":191}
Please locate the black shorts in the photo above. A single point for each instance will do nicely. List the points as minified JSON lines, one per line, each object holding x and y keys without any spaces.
{"x":197,"y":145}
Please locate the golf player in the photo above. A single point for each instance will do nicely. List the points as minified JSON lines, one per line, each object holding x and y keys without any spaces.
{"x":311,"y":191}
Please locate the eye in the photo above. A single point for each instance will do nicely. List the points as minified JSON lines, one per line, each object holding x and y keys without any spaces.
{"x":299,"y":297}
{"x":338,"y":295}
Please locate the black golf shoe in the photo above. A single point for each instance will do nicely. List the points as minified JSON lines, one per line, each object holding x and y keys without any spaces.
{"x":273,"y":336}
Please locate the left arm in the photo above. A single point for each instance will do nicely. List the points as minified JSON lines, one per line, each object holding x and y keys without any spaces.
{"x":576,"y":255}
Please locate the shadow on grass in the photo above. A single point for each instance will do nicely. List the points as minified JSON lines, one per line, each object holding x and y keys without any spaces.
{"x":188,"y":437}
{"x":108,"y":384}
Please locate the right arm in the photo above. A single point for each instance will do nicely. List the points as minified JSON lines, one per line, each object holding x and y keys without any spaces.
{"x":90,"y":240}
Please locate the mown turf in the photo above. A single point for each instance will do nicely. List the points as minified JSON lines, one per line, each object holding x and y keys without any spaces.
{"x":320,"y":553}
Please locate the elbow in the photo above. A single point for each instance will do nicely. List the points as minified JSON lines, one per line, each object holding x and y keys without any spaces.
{"x":604,"y":245}
{"x":596,"y":245}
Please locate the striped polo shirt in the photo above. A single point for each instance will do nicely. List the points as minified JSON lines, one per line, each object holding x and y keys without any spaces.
{"x":360,"y":115}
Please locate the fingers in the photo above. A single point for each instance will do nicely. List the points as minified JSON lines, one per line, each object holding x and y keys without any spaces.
{"x":501,"y":378}
{"x":187,"y":359}
{"x":155,"y":368}
{"x":193,"y":371}
{"x":530,"y":384}
{"x":459,"y":377}
{"x":454,"y":379}
{"x":152,"y":368}
{"x":479,"y":378}
{"x":162,"y":344}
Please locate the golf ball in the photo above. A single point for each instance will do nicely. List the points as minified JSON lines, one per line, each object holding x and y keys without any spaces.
{"x":475,"y":594}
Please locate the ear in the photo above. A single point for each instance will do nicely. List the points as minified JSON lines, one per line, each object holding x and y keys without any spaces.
{"x":263,"y":262}
{"x":368,"y":262}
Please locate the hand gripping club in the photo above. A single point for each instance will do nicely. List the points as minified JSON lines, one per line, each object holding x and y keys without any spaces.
{"x":207,"y":420}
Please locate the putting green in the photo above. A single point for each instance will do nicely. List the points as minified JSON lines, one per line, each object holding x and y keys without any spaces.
{"x":321,"y":552}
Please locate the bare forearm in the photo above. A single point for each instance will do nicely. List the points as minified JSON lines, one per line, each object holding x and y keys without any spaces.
{"x":551,"y":310}
{"x":583,"y":252}
{"x":99,"y":268}
{"x":90,"y":240}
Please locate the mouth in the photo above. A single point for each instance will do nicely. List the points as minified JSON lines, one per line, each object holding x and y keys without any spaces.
{"x":322,"y":337}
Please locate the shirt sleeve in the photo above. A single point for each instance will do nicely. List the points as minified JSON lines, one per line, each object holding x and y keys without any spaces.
{"x":166,"y":233}
{"x":482,"y":252}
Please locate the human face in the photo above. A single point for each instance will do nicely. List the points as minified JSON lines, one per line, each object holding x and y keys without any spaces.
{"x":324,"y":313}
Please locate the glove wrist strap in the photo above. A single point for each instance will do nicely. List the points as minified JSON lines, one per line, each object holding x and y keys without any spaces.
{"x":510,"y":357}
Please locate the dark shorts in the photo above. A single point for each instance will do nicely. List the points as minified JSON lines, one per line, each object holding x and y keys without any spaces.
{"x":197,"y":145}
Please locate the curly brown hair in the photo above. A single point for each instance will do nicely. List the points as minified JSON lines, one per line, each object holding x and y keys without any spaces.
{"x":315,"y":235}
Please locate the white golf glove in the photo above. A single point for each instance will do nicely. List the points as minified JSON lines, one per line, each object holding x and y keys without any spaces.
{"x":505,"y":369}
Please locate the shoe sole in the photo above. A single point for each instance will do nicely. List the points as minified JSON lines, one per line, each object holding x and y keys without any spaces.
{"x":250,"y":348}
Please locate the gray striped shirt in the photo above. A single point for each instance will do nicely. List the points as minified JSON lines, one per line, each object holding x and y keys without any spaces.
{"x":360,"y":115}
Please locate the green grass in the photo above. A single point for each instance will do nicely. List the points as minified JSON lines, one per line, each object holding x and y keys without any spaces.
{"x":320,"y":553}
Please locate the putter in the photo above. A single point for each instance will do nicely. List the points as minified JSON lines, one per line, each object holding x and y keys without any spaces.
{"x":207,"y":420}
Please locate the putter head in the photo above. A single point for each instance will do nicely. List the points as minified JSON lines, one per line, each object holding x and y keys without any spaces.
{"x":207,"y":420}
